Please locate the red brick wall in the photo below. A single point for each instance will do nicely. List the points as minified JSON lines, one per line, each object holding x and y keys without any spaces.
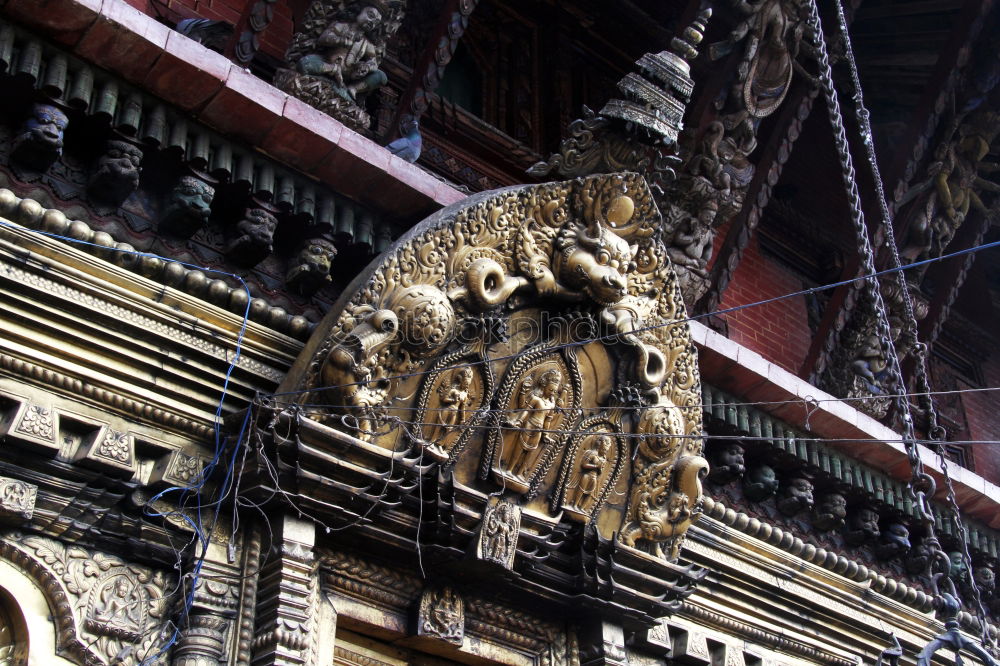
{"x":273,"y":41}
{"x":778,"y":331}
{"x":982,"y":413}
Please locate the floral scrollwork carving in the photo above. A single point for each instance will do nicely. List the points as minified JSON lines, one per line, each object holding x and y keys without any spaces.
{"x":531,"y":342}
{"x":106,"y":607}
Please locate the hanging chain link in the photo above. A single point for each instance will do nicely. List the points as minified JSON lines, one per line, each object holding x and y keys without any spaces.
{"x":922,"y":486}
{"x":867,"y":255}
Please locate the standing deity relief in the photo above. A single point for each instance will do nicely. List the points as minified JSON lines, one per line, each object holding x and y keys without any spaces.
{"x":442,"y":347}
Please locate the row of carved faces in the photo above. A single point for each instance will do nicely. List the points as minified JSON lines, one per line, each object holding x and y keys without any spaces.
{"x":795,"y":494}
{"x":860,"y":525}
{"x":115,"y":175}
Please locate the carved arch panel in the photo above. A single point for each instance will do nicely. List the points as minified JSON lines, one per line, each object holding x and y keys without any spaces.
{"x":532,"y":342}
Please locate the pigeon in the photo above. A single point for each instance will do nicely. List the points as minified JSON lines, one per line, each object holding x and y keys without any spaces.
{"x":407,"y":146}
{"x":209,"y":33}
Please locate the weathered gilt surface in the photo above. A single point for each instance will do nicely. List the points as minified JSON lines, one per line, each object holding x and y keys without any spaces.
{"x":524,"y":339}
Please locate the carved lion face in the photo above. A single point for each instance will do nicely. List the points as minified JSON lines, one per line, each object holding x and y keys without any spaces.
{"x":597,"y":263}
{"x":45,"y":127}
{"x":121,"y":161}
{"x":193,"y":198}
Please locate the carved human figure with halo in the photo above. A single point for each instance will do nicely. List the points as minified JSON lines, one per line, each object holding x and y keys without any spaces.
{"x":539,"y":402}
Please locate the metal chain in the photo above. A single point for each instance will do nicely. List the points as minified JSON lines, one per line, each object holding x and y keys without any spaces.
{"x":935,"y":430}
{"x":867,"y":255}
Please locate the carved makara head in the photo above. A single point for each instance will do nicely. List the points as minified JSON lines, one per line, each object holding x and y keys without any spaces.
{"x":596,"y":261}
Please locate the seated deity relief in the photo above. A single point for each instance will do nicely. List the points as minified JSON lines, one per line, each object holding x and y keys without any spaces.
{"x":523,"y":340}
{"x":333,"y":60}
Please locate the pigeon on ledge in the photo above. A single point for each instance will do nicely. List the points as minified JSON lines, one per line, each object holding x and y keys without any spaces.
{"x":407,"y":146}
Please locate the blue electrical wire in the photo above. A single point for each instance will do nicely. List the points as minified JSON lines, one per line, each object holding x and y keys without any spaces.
{"x":197,"y":486}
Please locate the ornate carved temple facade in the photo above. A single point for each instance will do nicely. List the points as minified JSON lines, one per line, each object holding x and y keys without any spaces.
{"x":499,"y":332}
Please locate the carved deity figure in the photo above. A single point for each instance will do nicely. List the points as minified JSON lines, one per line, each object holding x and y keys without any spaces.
{"x":40,"y":141}
{"x":498,"y":534}
{"x":188,"y":207}
{"x":953,"y":188}
{"x":727,"y":463}
{"x":830,"y":513}
{"x":333,"y":62}
{"x":442,"y":615}
{"x":772,"y":35}
{"x":349,"y":54}
{"x":592,"y":465}
{"x":309,"y":270}
{"x":862,"y":527}
{"x":254,"y":237}
{"x":116,"y":173}
{"x":118,"y":609}
{"x":761,"y":483}
{"x":457,"y":396}
{"x":796,"y":496}
{"x":870,"y":364}
{"x":539,"y":402}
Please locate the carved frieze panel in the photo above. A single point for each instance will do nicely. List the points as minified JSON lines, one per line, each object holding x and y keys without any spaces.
{"x":17,"y":497}
{"x":106,"y":610}
{"x":441,"y":615}
{"x":497,"y":539}
{"x":522,"y":356}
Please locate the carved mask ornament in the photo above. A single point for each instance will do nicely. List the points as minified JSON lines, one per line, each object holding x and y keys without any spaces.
{"x":40,"y":141}
{"x":862,"y":527}
{"x":116,"y":173}
{"x":253,"y":239}
{"x":796,"y":496}
{"x":760,"y":483}
{"x":727,"y":463}
{"x":830,"y":513}
{"x":309,"y":270}
{"x":188,"y":207}
{"x":413,"y":343}
{"x":895,"y":542}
